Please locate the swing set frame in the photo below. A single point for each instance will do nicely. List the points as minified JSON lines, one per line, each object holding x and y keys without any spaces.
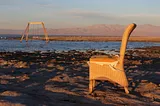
{"x":26,"y":32}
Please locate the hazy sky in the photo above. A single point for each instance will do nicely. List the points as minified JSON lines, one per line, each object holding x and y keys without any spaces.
{"x":14,"y":14}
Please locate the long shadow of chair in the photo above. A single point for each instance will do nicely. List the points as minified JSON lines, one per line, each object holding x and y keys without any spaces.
{"x":111,"y":69}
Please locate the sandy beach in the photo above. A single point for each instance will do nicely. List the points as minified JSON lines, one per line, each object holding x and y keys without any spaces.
{"x":61,"y":79}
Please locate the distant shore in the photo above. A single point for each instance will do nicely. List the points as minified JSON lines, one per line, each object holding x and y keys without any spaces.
{"x":95,"y":38}
{"x":88,"y":38}
{"x":104,"y":38}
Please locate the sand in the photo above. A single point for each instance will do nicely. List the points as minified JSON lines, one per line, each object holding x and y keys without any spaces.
{"x":61,"y":79}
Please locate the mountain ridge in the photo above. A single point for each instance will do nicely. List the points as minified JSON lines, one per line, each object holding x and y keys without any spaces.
{"x":98,"y":29}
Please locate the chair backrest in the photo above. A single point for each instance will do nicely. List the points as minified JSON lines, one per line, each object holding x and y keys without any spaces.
{"x":125,"y":38}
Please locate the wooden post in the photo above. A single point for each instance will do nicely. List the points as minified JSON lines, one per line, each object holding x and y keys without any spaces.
{"x":27,"y":31}
{"x":45,"y":32}
{"x":27,"y":28}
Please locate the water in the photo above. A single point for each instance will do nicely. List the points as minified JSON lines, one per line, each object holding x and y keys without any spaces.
{"x":37,"y":45}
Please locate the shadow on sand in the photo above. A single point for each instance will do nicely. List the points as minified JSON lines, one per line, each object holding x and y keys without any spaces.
{"x":44,"y":79}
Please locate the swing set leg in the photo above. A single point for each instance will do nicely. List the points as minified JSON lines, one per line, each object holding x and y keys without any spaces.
{"x":26,"y":32}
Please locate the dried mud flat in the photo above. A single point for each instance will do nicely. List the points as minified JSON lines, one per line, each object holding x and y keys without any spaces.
{"x":61,"y":79}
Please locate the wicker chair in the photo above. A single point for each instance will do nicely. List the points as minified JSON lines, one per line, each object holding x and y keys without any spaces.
{"x":110,"y":68}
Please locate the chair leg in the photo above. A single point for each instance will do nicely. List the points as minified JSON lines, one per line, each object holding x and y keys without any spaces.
{"x":94,"y":83}
{"x":126,"y":90}
{"x":90,"y":86}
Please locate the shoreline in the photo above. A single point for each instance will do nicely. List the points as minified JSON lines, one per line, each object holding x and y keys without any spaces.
{"x":96,"y":38}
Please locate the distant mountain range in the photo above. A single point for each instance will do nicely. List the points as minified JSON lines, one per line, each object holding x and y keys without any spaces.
{"x":99,"y":29}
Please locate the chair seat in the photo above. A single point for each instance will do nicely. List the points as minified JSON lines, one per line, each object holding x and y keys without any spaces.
{"x":104,"y":58}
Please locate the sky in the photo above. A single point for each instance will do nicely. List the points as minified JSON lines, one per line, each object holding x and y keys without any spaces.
{"x":15,"y":14}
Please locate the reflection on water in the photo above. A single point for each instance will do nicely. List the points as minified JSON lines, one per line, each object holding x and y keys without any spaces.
{"x":15,"y":45}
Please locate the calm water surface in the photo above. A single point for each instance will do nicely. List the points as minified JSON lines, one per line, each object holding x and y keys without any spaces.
{"x":16,"y":45}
